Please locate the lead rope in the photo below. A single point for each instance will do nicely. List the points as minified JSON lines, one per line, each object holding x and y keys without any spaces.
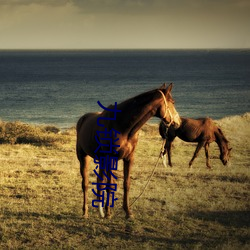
{"x":161,"y":152}
{"x":167,"y":109}
{"x":150,"y":177}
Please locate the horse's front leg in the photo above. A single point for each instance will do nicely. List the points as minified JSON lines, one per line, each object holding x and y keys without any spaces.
{"x":169,"y":147}
{"x":126,"y":185}
{"x":163,"y":152}
{"x":84,"y":169}
{"x":100,"y":193}
{"x":108,"y":193}
{"x":105,"y":184}
{"x":207,"y":155}
{"x":197,"y":150}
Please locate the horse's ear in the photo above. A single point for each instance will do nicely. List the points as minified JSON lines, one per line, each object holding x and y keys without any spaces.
{"x":163,"y":86}
{"x":169,"y":88}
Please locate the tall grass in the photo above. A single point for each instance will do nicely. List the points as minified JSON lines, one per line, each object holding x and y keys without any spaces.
{"x":41,"y":197}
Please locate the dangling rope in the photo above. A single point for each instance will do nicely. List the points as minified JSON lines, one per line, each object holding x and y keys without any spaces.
{"x":150,"y":177}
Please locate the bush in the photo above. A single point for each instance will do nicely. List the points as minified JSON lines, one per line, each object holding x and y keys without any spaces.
{"x":21,"y":133}
{"x":52,"y":129}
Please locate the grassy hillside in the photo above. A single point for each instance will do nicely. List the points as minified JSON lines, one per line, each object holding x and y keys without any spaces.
{"x":41,"y":198}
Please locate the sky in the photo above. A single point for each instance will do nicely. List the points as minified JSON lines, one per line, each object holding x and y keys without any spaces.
{"x":124,"y":24}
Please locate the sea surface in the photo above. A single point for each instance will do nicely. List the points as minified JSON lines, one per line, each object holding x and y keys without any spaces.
{"x":57,"y":87}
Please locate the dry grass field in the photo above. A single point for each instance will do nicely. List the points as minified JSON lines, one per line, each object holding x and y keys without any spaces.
{"x":182,"y":208}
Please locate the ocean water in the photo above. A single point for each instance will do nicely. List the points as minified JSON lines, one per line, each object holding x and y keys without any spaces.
{"x":57,"y":87}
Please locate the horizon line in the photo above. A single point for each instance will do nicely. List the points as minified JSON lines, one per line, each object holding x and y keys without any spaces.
{"x":114,"y":49}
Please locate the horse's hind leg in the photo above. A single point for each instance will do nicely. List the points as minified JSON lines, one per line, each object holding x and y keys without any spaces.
{"x":196,"y":152}
{"x":84,"y":170}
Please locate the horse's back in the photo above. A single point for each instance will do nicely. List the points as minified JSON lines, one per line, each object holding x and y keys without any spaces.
{"x":206,"y":122}
{"x":195,"y":130}
{"x":83,"y":119}
{"x":209,"y":125}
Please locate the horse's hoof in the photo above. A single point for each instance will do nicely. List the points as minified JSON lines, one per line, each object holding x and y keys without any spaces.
{"x":108,"y":216}
{"x":130,"y":217}
{"x":101,"y":213}
{"x":85,"y":216}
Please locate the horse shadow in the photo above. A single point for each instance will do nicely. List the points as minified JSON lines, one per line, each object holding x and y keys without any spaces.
{"x":237,"y":219}
{"x":132,"y":231}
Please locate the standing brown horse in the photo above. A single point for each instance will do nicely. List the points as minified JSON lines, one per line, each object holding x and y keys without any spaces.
{"x":134,"y":113}
{"x":203,"y":131}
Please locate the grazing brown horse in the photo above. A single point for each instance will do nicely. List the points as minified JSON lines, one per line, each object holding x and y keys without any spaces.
{"x":134,"y":113}
{"x":203,"y":131}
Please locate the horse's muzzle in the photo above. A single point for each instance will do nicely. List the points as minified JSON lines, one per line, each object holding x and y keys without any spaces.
{"x":225,"y":163}
{"x":176,"y":125}
{"x":176,"y":121}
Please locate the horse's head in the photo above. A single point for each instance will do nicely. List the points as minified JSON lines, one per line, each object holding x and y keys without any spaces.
{"x":225,"y":155}
{"x":223,"y":144}
{"x":167,"y":111}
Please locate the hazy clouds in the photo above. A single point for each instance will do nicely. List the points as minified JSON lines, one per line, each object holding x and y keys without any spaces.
{"x":124,"y":23}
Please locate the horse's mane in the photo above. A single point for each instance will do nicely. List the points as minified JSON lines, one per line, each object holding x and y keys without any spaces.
{"x":138,"y":100}
{"x":219,"y":135}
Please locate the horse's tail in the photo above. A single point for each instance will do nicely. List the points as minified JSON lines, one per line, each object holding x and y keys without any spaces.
{"x":163,"y":130}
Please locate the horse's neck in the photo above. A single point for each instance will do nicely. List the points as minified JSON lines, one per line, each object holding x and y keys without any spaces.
{"x":136,"y":112}
{"x":221,"y":141}
{"x":138,"y":123}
